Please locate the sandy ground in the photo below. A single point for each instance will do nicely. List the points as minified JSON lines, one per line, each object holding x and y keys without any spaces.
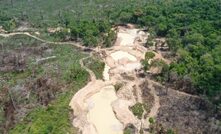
{"x":101,"y":113}
{"x":106,"y":75}
{"x":126,"y":37}
{"x":97,"y":107}
{"x":121,"y":55}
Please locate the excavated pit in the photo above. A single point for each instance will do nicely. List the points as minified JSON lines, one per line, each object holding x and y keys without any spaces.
{"x":98,"y":108}
{"x":101,"y":113}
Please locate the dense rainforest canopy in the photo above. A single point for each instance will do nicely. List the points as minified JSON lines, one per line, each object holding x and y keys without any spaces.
{"x":192,"y":29}
{"x":193,"y":32}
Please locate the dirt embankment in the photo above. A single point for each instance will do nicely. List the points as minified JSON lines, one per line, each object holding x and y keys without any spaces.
{"x":123,"y":58}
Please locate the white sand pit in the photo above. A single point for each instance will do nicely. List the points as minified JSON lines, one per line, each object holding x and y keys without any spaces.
{"x":130,"y":67}
{"x":106,"y":75}
{"x":133,"y":32}
{"x":127,"y":38}
{"x":121,"y":55}
{"x":101,"y":114}
{"x":97,"y":108}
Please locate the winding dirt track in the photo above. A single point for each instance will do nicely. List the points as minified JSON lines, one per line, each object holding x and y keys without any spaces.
{"x":91,"y":73}
{"x":76,"y":44}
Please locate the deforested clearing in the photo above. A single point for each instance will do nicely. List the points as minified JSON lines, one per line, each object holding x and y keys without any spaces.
{"x":110,"y":66}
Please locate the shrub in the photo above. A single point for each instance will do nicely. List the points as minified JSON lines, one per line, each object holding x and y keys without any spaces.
{"x":158,"y":63}
{"x":149,"y":55}
{"x":118,"y":86}
{"x":127,"y":131}
{"x":110,"y":38}
{"x":130,"y":129}
{"x":137,"y":110}
{"x":170,"y":131}
{"x":145,"y":64}
{"x":75,"y":74}
{"x":151,"y":120}
{"x":96,"y":65}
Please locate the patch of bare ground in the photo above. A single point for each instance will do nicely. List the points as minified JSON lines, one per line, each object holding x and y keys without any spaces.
{"x":186,"y":114}
{"x":147,"y":97}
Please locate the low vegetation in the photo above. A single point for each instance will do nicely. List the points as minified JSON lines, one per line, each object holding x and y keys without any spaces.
{"x":51,"y":119}
{"x":147,"y":61}
{"x":147,"y":97}
{"x":156,"y":128}
{"x":128,"y":131}
{"x":118,"y":86}
{"x":149,"y":55}
{"x":137,"y":110}
{"x":96,"y":65}
{"x":35,"y":99}
{"x":7,"y":22}
{"x":151,"y":120}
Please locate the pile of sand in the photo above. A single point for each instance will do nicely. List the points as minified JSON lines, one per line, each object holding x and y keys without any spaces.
{"x":130,"y":67}
{"x":126,"y":37}
{"x":106,"y":75}
{"x":121,"y":55}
